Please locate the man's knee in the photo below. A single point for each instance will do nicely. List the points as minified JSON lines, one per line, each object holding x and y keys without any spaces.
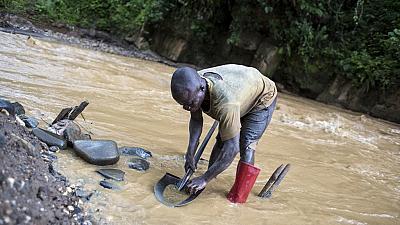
{"x":247,"y":154}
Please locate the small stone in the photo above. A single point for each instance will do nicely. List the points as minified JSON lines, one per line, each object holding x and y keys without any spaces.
{"x":8,"y":211}
{"x":7,"y":107}
{"x":54,"y":149}
{"x":138,"y":164}
{"x":66,"y":211}
{"x":43,"y":193}
{"x":87,"y":222}
{"x":83,"y":195}
{"x":18,"y":108}
{"x":70,"y":208}
{"x":19,"y":121}
{"x":114,"y":174}
{"x":20,"y":185}
{"x":5,"y":112}
{"x":27,"y":219}
{"x":11,"y":181}
{"x":108,"y":185}
{"x":7,"y":219}
{"x":49,"y":156}
{"x":29,"y":122}
{"x":136,"y":151}
{"x":69,"y":190}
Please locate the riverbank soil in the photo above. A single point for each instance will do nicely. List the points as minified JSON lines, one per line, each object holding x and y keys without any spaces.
{"x":31,"y":192}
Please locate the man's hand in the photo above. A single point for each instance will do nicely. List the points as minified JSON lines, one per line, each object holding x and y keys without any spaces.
{"x":189,"y":162}
{"x":196,"y":184}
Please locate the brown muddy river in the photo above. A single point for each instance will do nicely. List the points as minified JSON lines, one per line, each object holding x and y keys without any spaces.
{"x":345,"y":167}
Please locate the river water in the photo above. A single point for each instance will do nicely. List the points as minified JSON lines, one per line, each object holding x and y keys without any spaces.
{"x":345,"y":166}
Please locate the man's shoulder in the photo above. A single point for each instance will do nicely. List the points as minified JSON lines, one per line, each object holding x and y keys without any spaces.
{"x":228,"y":68}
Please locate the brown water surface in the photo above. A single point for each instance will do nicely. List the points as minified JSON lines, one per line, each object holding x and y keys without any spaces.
{"x":345,"y":166}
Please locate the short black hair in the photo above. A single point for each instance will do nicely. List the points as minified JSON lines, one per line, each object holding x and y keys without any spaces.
{"x":183,"y":80}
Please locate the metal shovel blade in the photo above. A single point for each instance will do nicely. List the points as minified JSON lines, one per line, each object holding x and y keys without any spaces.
{"x":170,"y":179}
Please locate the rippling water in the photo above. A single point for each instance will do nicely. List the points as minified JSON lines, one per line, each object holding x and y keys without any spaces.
{"x":345,"y":166}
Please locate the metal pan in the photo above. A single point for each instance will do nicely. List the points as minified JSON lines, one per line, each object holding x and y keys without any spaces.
{"x":170,"y":179}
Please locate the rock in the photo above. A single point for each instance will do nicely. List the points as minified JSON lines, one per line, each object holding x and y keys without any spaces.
{"x":170,"y":46}
{"x":98,"y":152}
{"x":6,"y":105}
{"x":109,"y":185}
{"x":18,"y":108}
{"x":73,"y":132}
{"x":135,"y":151}
{"x":69,"y":130}
{"x":138,"y":164}
{"x":54,"y":149}
{"x":267,"y":58}
{"x":29,"y":122}
{"x":83,"y":194}
{"x":114,"y":174}
{"x":50,"y":138}
{"x":43,"y":193}
{"x":49,"y":156}
{"x":19,"y":121}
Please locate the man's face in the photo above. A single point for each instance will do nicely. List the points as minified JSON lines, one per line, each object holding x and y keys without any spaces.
{"x":192,"y":100}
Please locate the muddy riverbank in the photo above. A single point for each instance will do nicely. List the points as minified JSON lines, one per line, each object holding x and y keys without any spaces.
{"x":84,"y":38}
{"x":31,"y":190}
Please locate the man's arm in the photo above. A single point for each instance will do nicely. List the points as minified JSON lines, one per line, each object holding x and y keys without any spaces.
{"x":228,"y":152}
{"x":224,"y":159}
{"x":195,"y":129}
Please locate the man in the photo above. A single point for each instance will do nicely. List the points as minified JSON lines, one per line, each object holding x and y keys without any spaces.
{"x":242,"y":100}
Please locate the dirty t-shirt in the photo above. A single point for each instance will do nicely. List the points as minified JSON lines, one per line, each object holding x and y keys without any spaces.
{"x":236,"y":90}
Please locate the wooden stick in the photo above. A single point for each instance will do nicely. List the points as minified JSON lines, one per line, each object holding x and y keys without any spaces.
{"x":271,"y":180}
{"x":77,"y":110}
{"x":62,"y":115}
{"x":276,"y":179}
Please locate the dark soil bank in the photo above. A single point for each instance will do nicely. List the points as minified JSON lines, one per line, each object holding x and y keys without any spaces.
{"x":31,"y":191}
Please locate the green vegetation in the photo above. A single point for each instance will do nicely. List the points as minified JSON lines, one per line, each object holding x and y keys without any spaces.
{"x":119,"y":16}
{"x":358,"y":39}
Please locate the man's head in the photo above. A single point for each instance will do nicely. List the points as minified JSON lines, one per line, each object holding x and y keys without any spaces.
{"x":188,"y":88}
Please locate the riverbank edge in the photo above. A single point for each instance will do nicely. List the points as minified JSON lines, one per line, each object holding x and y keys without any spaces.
{"x":79,"y":37}
{"x":31,"y":190}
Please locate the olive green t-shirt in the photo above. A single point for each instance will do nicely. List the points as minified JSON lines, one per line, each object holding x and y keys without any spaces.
{"x":236,"y":90}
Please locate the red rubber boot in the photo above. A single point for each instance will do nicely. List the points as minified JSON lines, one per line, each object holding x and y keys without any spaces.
{"x":246,"y":176}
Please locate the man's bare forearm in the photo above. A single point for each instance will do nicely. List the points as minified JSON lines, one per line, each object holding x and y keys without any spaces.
{"x":195,"y":129}
{"x":227,"y":154}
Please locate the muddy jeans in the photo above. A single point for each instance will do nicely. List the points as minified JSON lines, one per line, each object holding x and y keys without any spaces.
{"x":253,"y":126}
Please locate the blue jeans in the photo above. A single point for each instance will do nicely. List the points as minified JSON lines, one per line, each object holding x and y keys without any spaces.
{"x":254,"y":125}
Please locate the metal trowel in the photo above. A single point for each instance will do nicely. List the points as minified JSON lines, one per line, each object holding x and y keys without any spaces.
{"x":170,"y":179}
